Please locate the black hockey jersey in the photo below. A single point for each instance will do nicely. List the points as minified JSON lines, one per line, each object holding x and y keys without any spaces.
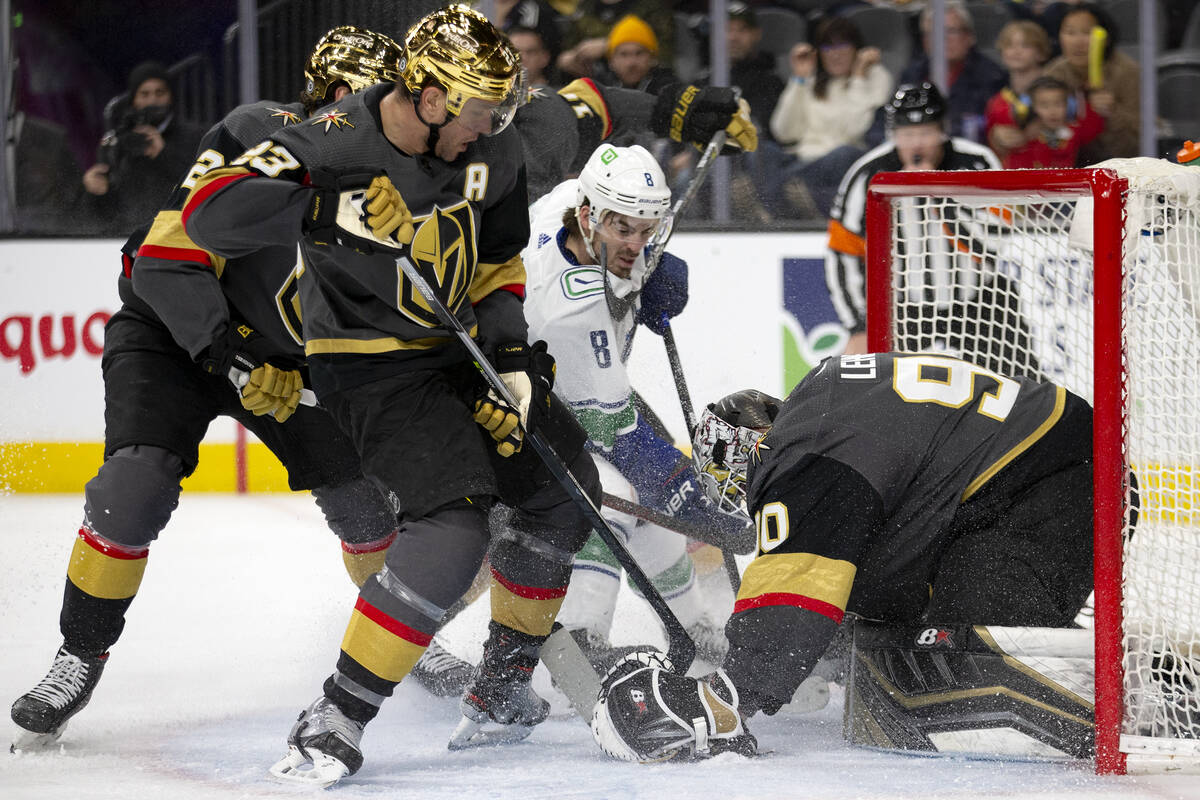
{"x":362,"y":319}
{"x":195,"y":292}
{"x":925,"y":431}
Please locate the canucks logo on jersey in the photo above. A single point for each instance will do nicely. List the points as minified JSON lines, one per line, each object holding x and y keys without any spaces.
{"x":443,"y":251}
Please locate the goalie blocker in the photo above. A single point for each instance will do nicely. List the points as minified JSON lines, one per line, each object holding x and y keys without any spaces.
{"x":985,"y":691}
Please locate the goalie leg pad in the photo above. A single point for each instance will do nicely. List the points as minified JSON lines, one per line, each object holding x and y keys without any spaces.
{"x":985,"y":691}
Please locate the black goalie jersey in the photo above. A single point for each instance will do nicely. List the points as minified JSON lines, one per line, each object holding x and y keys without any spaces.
{"x":882,"y":476}
{"x":925,"y":432}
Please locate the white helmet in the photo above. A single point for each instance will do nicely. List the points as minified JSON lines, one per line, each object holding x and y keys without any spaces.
{"x":623,"y":180}
{"x":626,"y":180}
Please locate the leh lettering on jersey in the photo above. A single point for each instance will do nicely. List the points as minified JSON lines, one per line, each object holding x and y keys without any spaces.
{"x":857,"y":367}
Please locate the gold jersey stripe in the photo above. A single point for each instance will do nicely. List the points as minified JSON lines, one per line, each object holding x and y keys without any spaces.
{"x":1060,"y":402}
{"x":379,"y":650}
{"x":490,"y":277}
{"x":103,"y":576}
{"x":533,"y":616}
{"x":386,"y":344}
{"x":825,"y":579}
{"x":167,"y":232}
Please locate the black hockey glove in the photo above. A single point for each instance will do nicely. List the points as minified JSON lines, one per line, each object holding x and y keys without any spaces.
{"x":528,"y":372}
{"x":648,"y":713}
{"x":242,"y":355}
{"x":359,"y":210}
{"x":692,"y":114}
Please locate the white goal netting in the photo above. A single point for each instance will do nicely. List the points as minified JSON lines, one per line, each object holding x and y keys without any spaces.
{"x":1006,"y":279}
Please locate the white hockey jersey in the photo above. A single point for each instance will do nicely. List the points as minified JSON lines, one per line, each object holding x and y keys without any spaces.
{"x":565,"y":305}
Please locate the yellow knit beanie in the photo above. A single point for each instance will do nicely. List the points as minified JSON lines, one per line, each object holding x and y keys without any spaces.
{"x":634,"y":29}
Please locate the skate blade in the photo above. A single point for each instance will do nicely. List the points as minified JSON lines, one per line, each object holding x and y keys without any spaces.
{"x":297,"y":768}
{"x":470,"y":733}
{"x":30,"y":742}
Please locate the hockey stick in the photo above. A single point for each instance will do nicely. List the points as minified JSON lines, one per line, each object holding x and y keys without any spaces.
{"x":681,"y":649}
{"x":674,"y":525}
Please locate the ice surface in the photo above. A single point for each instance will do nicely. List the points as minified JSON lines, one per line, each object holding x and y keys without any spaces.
{"x":238,"y":623}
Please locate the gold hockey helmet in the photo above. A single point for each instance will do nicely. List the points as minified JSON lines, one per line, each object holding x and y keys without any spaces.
{"x":355,"y":55}
{"x":468,"y":57}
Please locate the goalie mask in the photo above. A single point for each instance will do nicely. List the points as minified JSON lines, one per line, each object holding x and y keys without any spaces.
{"x":727,"y":436}
{"x":622,"y":187}
{"x":459,"y":50}
{"x":357,"y":56}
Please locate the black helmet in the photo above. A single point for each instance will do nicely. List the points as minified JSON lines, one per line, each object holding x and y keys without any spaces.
{"x":914,"y":105}
{"x":748,"y":408}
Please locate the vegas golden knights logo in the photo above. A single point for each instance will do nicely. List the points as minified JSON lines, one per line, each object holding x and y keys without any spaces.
{"x":443,"y":251}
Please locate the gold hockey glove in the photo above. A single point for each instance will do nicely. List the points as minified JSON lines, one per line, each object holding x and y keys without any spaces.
{"x":271,"y":390}
{"x":242,"y":355}
{"x":363,"y":211}
{"x":528,"y":372}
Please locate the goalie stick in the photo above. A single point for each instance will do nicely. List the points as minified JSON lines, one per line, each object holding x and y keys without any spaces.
{"x":681,"y":649}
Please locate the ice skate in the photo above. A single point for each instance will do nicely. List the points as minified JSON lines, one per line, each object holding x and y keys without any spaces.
{"x":441,"y":673}
{"x":323,"y":747}
{"x":499,"y":705}
{"x":42,"y":713}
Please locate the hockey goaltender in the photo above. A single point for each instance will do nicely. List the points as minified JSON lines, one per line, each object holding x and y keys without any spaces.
{"x":917,"y":500}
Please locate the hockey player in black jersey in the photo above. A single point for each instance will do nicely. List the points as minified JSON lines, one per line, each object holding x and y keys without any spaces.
{"x":908,"y":489}
{"x":426,"y":170}
{"x":194,"y":327}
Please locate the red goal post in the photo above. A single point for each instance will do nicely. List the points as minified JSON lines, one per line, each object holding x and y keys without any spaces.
{"x":1077,"y":276}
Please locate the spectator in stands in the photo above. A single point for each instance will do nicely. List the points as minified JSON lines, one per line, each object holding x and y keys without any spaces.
{"x":1057,"y":128}
{"x":973,"y":77}
{"x":1024,"y":47}
{"x":1114,"y":93}
{"x":632,"y":58}
{"x":45,"y":178}
{"x":143,"y":156}
{"x":586,"y":38}
{"x":536,"y":30}
{"x":536,"y":57}
{"x":836,"y":87}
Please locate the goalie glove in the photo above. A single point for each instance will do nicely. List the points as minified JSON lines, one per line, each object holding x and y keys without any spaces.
{"x":362,"y":211}
{"x":647,"y":713}
{"x":243,"y":355}
{"x":528,"y":372}
{"x":693,"y":114}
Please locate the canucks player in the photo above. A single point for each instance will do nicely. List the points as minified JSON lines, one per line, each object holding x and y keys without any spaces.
{"x":589,"y":285}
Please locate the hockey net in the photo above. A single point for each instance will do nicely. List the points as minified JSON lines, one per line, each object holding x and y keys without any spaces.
{"x":1089,"y":278}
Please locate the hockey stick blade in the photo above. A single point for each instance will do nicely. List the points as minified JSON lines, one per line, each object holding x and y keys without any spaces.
{"x":741,"y":544}
{"x":298,"y":769}
{"x":681,"y":648}
{"x":571,"y":672}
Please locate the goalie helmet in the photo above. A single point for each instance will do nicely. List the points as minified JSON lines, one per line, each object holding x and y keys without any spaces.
{"x":915,"y":105}
{"x":357,"y":56}
{"x":726,"y":438}
{"x":459,"y":50}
